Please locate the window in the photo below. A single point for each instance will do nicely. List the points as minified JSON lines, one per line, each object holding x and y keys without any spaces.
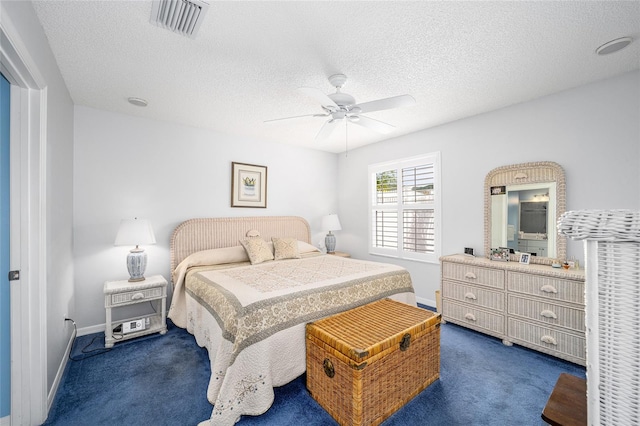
{"x":405,"y":208}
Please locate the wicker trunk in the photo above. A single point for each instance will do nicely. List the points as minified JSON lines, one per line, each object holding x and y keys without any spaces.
{"x":366,"y":363}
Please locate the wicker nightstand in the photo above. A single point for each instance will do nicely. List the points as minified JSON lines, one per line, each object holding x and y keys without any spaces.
{"x":124,"y":293}
{"x":340,"y":254}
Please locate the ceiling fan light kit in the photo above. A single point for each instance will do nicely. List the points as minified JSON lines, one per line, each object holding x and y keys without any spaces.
{"x":340,"y":106}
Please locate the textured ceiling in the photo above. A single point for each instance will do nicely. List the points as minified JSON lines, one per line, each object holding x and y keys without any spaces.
{"x":457,"y":59}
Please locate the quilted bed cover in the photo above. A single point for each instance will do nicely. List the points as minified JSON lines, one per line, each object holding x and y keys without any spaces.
{"x":251,"y":319}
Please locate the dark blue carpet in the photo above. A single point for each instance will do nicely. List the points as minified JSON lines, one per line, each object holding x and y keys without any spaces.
{"x":162,"y":380}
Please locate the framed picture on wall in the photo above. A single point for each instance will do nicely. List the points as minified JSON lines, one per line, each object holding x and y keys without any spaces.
{"x":248,"y":185}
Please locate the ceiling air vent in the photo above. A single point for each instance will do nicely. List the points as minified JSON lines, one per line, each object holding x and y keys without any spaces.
{"x":180,"y":16}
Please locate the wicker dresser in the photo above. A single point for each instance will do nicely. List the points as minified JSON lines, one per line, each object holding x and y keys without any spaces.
{"x":536,"y":306}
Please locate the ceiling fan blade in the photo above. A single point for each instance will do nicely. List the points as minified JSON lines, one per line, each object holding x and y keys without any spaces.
{"x":295,"y":116}
{"x":373,"y":124}
{"x":319,"y":96}
{"x":326,"y":129}
{"x":387,"y":103}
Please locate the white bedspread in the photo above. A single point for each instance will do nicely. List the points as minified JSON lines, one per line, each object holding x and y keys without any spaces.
{"x":252,"y":320}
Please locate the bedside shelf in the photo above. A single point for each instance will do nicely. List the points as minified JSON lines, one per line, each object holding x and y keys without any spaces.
{"x":125,"y":293}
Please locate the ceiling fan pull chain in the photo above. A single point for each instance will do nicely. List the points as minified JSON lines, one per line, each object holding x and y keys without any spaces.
{"x":346,"y":138}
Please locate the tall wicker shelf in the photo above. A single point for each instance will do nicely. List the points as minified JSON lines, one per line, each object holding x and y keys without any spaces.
{"x":612,"y":246}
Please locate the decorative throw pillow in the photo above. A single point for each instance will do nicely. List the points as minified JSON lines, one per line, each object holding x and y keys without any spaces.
{"x":285,"y":248}
{"x":257,"y":249}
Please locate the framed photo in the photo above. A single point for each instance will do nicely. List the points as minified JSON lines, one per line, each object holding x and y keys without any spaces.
{"x":248,"y":185}
{"x":524,"y":258}
{"x":498,"y":190}
{"x":501,"y":254}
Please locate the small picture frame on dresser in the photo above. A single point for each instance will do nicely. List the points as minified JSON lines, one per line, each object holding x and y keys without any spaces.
{"x":501,"y":254}
{"x":524,"y":258}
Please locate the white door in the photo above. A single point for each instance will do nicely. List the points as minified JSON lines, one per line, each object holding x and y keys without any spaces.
{"x":5,"y":243}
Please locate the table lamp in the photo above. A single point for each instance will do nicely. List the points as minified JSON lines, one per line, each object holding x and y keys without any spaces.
{"x":331,"y":223}
{"x":135,"y":232}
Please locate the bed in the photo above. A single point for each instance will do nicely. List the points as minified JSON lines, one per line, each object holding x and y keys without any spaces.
{"x":250,"y":312}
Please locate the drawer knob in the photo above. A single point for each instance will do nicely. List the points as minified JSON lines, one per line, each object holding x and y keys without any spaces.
{"x":470,"y":275}
{"x":470,"y":316}
{"x":549,"y":339}
{"x":548,"y":314}
{"x":470,"y":296}
{"x":548,"y":289}
{"x":137,"y":296}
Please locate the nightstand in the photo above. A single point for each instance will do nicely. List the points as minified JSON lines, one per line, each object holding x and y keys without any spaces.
{"x":340,"y":254}
{"x":125,"y":293}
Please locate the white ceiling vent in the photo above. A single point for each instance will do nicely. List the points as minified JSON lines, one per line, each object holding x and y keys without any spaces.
{"x":180,"y":16}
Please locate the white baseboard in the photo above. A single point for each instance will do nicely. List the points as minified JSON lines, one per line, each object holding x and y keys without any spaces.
{"x":90,"y":330}
{"x":5,"y":421}
{"x":60,"y":373}
{"x":428,"y":302}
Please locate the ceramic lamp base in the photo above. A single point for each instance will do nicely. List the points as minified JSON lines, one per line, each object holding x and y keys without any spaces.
{"x":136,"y":264}
{"x":330,"y":242}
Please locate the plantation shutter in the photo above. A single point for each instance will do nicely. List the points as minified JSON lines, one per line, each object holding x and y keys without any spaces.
{"x":418,"y":221}
{"x":403,"y":208}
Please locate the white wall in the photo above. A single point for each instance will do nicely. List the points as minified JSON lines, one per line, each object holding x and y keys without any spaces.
{"x":127,"y":167}
{"x":58,"y":186}
{"x":593,"y":132}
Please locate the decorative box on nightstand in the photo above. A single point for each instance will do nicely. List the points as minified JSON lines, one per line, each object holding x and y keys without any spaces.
{"x":125,"y":293}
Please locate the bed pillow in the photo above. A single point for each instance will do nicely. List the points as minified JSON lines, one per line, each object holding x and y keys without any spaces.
{"x":285,"y":248}
{"x":307,"y":248}
{"x":217,"y":256}
{"x":257,"y":249}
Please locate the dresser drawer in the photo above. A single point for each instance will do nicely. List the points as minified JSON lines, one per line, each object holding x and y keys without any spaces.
{"x":546,"y":287}
{"x":553,"y":314}
{"x":547,"y":339}
{"x":472,"y":317}
{"x":473,"y":274}
{"x":135,"y":296}
{"x":473,"y":295}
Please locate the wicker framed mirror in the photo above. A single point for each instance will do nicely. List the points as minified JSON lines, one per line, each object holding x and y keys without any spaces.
{"x":522,"y":205}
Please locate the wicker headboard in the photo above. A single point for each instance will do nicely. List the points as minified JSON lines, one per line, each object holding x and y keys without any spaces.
{"x":208,"y":233}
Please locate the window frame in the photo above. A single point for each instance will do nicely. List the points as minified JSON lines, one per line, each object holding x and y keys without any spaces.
{"x":432,"y":159}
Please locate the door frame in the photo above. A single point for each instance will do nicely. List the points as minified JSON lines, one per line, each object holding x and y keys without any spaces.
{"x":28,"y":215}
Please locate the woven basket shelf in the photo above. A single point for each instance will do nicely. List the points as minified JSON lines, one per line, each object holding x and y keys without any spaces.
{"x":612,"y":240}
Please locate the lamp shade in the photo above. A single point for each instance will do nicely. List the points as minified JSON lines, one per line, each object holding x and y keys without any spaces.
{"x":331,"y":223}
{"x":133,"y":232}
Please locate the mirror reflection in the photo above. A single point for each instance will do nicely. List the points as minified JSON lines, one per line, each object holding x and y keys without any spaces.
{"x":522,"y":205}
{"x":523,"y":219}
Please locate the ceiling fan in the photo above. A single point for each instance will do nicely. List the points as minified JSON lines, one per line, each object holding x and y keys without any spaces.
{"x":341,"y":106}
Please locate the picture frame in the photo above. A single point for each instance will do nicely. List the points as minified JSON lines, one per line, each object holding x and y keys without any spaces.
{"x":524,"y":258}
{"x":499,"y":190}
{"x":500,"y":254}
{"x":248,"y":185}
